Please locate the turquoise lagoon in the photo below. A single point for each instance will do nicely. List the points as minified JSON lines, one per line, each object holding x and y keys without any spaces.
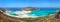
{"x":41,"y":12}
{"x":36,"y":12}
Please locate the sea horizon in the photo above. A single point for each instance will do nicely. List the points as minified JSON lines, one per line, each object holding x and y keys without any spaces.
{"x":20,"y":8}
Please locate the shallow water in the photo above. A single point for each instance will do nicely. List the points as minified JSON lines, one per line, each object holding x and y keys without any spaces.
{"x":35,"y":13}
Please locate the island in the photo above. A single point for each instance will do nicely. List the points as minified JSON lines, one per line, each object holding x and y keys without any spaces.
{"x":30,"y":8}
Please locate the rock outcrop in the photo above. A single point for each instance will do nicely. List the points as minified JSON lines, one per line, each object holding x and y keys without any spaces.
{"x":58,"y":14}
{"x":30,"y":8}
{"x":3,"y":9}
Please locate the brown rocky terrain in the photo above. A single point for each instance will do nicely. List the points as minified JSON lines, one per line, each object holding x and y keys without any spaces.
{"x":5,"y":18}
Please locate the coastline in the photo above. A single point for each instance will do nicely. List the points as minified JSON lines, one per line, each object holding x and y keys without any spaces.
{"x":27,"y":16}
{"x":39,"y":19}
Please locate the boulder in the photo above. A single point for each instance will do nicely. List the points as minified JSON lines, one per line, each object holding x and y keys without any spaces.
{"x":58,"y":14}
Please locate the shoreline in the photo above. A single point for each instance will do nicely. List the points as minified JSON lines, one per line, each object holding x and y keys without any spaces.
{"x":28,"y":16}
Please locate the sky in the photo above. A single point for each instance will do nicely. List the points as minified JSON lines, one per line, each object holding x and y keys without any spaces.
{"x":26,"y":3}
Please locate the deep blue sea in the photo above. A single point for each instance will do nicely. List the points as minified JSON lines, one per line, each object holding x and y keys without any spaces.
{"x":41,"y":12}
